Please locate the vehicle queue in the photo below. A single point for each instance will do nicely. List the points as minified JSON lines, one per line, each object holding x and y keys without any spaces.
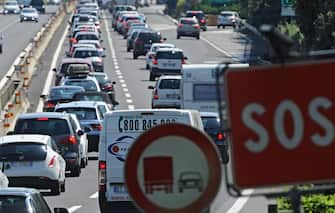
{"x":74,"y":127}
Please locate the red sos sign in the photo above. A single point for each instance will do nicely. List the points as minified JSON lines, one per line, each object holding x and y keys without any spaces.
{"x":283,"y":124}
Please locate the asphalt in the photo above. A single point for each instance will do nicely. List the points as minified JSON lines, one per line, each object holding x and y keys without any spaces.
{"x":16,"y":36}
{"x":132,"y":82}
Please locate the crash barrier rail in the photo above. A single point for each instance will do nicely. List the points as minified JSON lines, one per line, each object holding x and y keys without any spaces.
{"x":13,"y":87}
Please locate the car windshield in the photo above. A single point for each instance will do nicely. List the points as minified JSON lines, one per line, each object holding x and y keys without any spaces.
{"x":11,"y":3}
{"x":197,"y":15}
{"x":206,"y":92}
{"x":226,"y":15}
{"x":28,"y":11}
{"x":83,"y":113}
{"x":187,"y":21}
{"x":210,"y":122}
{"x":23,"y":151}
{"x":86,"y":53}
{"x":13,"y":203}
{"x":87,"y":37}
{"x":88,"y":85}
{"x":63,"y":93}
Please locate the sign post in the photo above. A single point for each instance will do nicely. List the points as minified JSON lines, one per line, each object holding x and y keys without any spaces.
{"x":282,"y":122}
{"x":173,"y":168}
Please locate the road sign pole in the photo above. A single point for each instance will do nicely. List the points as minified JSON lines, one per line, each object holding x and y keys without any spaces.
{"x":295,"y":198}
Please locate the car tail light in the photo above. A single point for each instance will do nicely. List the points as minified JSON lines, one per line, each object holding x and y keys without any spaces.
{"x":203,"y":21}
{"x":72,"y":139}
{"x":50,"y":105}
{"x":109,"y":87}
{"x":102,"y":176}
{"x":52,"y":162}
{"x":156,"y":97}
{"x":180,"y":25}
{"x":220,"y":136}
{"x":196,"y":26}
{"x":154,"y":61}
{"x":97,"y":126}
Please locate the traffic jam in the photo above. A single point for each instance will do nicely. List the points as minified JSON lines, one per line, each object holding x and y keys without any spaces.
{"x":172,"y":156}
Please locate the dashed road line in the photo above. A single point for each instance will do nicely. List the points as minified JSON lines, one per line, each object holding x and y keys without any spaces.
{"x":94,"y":195}
{"x":116,"y":66}
{"x":240,"y":203}
{"x":74,"y":208}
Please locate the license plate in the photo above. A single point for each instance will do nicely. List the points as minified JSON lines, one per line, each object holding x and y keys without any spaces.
{"x":22,"y":164}
{"x":119,"y":189}
{"x":169,"y":65}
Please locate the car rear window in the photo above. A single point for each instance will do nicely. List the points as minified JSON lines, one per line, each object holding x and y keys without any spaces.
{"x":65,"y":67}
{"x":49,"y":126}
{"x":155,"y":37}
{"x":83,"y":113}
{"x":23,"y":151}
{"x":198,"y":15}
{"x":63,"y":93}
{"x":169,"y":84}
{"x":187,"y":21}
{"x":169,"y":55}
{"x":86,"y":53}
{"x":12,"y":203}
{"x":81,"y":97}
{"x":226,"y":15}
{"x":88,"y":85}
{"x":87,"y":37}
{"x":210,"y":122}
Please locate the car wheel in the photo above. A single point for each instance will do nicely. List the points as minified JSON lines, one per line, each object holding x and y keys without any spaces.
{"x":56,"y":188}
{"x":152,"y":77}
{"x":178,"y":36}
{"x":128,"y":49}
{"x":198,"y":37}
{"x":76,"y":171}
{"x":86,"y":161}
{"x":82,"y":163}
{"x":205,"y":29}
{"x":223,"y":26}
{"x":147,"y":66}
{"x":62,"y":186}
{"x":36,"y":21}
{"x":21,"y":20}
{"x":224,"y":155}
{"x":135,"y":56}
{"x":218,"y":26}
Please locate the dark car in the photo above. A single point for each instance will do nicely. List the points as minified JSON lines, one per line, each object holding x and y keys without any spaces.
{"x":200,"y":16}
{"x":60,"y":127}
{"x":143,"y":42}
{"x":211,"y":122}
{"x":39,"y":5}
{"x":106,"y":85}
{"x":25,"y":200}
{"x":59,"y":94}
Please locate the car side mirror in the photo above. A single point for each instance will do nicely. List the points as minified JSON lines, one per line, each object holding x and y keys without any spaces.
{"x":151,"y":87}
{"x":80,"y":132}
{"x":43,"y":96}
{"x":10,"y":133}
{"x":101,"y":40}
{"x":67,"y":53}
{"x":104,"y":48}
{"x":103,"y":55}
{"x":54,"y":69}
{"x":113,"y":82}
{"x":61,"y":210}
{"x":164,"y":39}
{"x":150,"y":57}
{"x":87,"y":129}
{"x":186,"y":58}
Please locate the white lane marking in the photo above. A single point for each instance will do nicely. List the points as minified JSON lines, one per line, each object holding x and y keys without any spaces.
{"x":131,"y":107}
{"x":215,"y":47}
{"x":123,"y":85}
{"x":116,"y":67}
{"x":48,"y":82}
{"x":129,"y":101}
{"x":127,"y":95}
{"x":240,"y":202}
{"x":120,"y":76}
{"x":122,"y":81}
{"x":74,"y":208}
{"x":95,"y":195}
{"x":125,"y":89}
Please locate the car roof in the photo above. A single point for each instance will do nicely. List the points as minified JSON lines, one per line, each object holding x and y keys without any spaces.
{"x":43,"y":115}
{"x":87,"y":48}
{"x":87,"y":32}
{"x":80,"y":104}
{"x":162,"y":44}
{"x":18,"y":191}
{"x":163,"y":77}
{"x":66,"y":87}
{"x":88,"y":41}
{"x":226,"y":11}
{"x":98,"y":73}
{"x":43,"y":139}
{"x":168,"y":49}
{"x":194,"y":11}
{"x":83,"y":45}
{"x":75,"y":60}
{"x":187,"y":18}
{"x":212,"y":66}
{"x":209,"y":114}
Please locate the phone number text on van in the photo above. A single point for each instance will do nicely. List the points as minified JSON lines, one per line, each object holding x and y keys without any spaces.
{"x":130,"y":125}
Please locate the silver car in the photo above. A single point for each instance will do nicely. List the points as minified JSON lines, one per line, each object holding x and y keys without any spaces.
{"x":188,"y":27}
{"x":227,"y":18}
{"x":29,"y":14}
{"x":11,"y":7}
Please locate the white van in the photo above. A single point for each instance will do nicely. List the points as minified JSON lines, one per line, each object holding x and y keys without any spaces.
{"x":198,"y":86}
{"x":121,"y":128}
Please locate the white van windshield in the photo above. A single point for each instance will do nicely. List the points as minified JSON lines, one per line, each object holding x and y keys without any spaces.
{"x":206,"y":92}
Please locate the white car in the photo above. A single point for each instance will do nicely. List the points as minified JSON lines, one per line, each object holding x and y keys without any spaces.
{"x":227,"y":18}
{"x":11,"y":6}
{"x":33,"y":161}
{"x":166,"y":92}
{"x":3,"y":180}
{"x":152,"y":52}
{"x":29,"y":14}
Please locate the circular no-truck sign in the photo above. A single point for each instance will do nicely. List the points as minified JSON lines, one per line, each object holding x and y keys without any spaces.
{"x":173,"y":168}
